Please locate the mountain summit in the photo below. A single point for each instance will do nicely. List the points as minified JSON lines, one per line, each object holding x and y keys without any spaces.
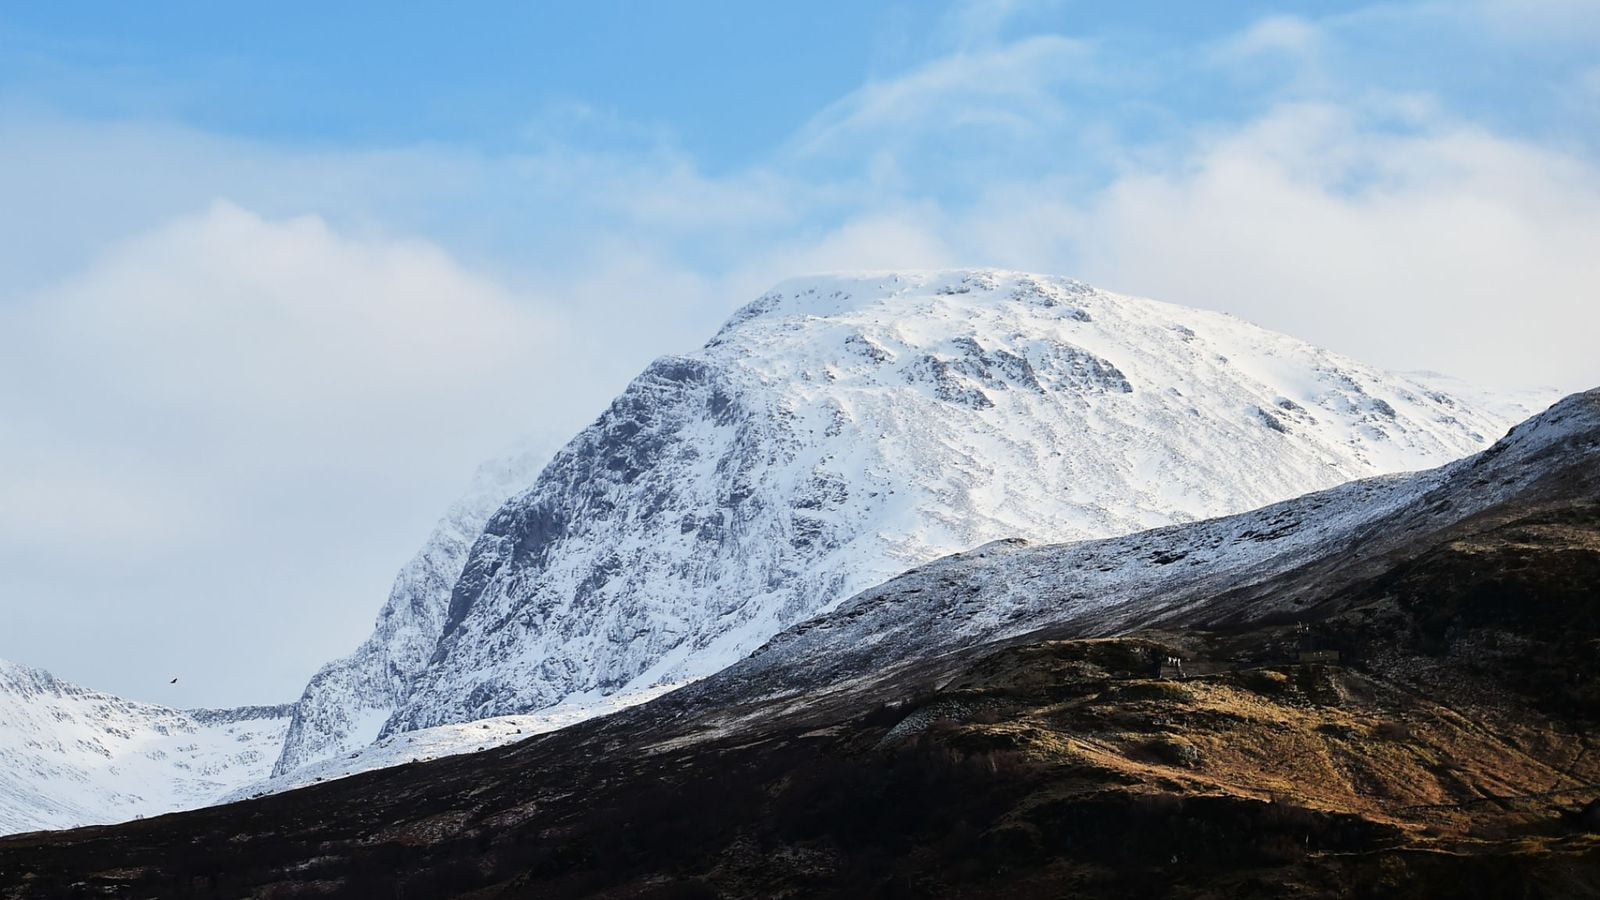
{"x":839,"y":430}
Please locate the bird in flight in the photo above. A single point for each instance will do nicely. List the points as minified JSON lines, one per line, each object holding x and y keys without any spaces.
{"x":173,"y":681}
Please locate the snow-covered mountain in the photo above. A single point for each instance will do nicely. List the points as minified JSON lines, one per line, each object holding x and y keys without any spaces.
{"x":840,"y":430}
{"x":834,"y":433}
{"x":72,"y":756}
{"x":349,"y":699}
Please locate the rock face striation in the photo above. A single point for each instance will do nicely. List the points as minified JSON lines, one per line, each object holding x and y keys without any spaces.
{"x":349,"y":699}
{"x":840,"y":430}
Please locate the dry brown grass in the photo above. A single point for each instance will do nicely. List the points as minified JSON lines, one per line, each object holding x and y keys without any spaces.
{"x":1315,"y":736}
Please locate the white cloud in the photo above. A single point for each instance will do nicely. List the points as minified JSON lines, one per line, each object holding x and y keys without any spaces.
{"x":1449,"y":248}
{"x":1005,"y":90}
{"x":1395,"y":234}
{"x":970,"y":23}
{"x":1286,"y":55}
{"x":226,"y":390}
{"x":225,"y":311}
{"x":909,"y":238}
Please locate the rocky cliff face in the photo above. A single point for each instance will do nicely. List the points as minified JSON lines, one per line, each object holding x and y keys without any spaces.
{"x":348,"y":700}
{"x":839,"y":430}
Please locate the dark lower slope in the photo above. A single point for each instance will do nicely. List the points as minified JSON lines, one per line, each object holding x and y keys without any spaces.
{"x":1447,"y":754}
{"x":1416,"y":720}
{"x":1037,"y":769}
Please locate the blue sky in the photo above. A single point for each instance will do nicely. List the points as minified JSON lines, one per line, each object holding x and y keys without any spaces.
{"x":727,"y":83}
{"x":272,"y":280}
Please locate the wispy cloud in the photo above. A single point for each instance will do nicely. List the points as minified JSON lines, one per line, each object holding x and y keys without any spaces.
{"x":975,"y":23}
{"x":1007,"y":90}
{"x":1566,"y":21}
{"x":1273,"y":35}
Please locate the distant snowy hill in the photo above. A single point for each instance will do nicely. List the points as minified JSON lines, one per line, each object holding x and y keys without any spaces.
{"x":838,"y":431}
{"x":72,"y":756}
{"x":446,"y":740}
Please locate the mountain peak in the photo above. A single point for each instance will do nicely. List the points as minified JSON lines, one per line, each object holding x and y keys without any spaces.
{"x":843,"y":428}
{"x":838,"y":294}
{"x":1574,"y":416}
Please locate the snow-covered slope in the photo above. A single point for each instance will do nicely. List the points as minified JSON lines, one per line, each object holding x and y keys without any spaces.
{"x":71,"y":756}
{"x":840,"y":430}
{"x":349,"y":699}
{"x":447,"y":740}
{"x":1282,"y":559}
